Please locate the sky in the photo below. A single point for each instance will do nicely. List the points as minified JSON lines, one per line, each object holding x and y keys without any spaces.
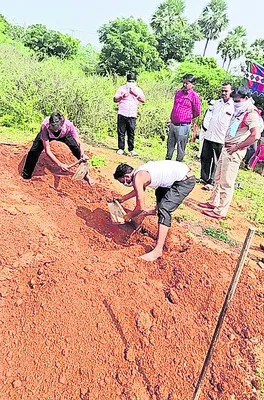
{"x":82,"y":18}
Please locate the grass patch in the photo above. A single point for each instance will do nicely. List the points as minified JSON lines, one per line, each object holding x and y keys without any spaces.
{"x":97,"y":161}
{"x":218,"y":234}
{"x":225,"y":225}
{"x":12,"y":135}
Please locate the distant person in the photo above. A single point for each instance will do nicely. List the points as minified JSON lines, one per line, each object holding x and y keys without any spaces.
{"x":186,"y":107}
{"x":244,"y":129}
{"x":56,"y":127}
{"x":128,"y":97}
{"x":174,"y":181}
{"x":214,"y":137}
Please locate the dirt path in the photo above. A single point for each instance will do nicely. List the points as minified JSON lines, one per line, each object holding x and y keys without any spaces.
{"x":83,"y":318}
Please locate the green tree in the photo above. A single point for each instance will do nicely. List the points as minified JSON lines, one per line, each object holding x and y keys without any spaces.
{"x":128,"y":45}
{"x":47,"y":42}
{"x":256,"y":51}
{"x":175,"y":36}
{"x":209,"y":77}
{"x":213,"y":20}
{"x":167,"y":13}
{"x":88,"y":59}
{"x":4,"y":25}
{"x":233,"y":46}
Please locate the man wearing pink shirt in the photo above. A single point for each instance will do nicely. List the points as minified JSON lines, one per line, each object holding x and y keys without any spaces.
{"x":186,"y":107}
{"x":55,"y":127}
{"x":128,"y":97}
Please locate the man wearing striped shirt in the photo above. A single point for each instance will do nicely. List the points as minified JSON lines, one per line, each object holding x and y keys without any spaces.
{"x":186,"y":107}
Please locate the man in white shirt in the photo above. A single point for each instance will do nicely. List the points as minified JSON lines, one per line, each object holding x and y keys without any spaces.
{"x":205,"y":126}
{"x":174,"y":181}
{"x":214,"y":138}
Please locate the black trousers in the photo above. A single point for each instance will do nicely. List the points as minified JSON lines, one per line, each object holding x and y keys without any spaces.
{"x":126,"y":125}
{"x":168,"y":199}
{"x":209,"y":159}
{"x":38,"y":147}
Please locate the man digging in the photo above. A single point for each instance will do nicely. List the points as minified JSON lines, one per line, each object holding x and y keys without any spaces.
{"x":174,"y":181}
{"x":55,"y":127}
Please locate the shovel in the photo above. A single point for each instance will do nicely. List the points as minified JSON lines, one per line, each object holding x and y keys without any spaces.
{"x":116,"y":212}
{"x":81,"y":171}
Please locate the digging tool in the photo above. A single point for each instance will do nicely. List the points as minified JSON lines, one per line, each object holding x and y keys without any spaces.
{"x":81,"y":172}
{"x":228,"y":299}
{"x":117,"y":212}
{"x":74,"y":164}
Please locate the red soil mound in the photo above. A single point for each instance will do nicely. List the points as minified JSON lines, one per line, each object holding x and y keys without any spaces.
{"x":83,"y":318}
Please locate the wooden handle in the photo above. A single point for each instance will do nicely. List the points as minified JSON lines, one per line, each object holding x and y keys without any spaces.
{"x":119,"y":206}
{"x":74,"y":164}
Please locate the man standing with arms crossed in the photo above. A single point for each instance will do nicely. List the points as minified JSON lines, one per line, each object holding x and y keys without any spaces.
{"x":128,"y":98}
{"x":187,"y":106}
{"x":244,"y":129}
{"x":214,"y":137}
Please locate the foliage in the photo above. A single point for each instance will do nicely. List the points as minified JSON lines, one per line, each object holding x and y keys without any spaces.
{"x":167,"y":13}
{"x":97,"y":161}
{"x":213,"y":20}
{"x":250,"y":199}
{"x":4,"y":25}
{"x":16,"y":32}
{"x":175,"y":36}
{"x":219,"y":234}
{"x":47,"y":42}
{"x":255,"y":51}
{"x":128,"y":46}
{"x":208,"y":80}
{"x":88,"y":59}
{"x":233,"y":46}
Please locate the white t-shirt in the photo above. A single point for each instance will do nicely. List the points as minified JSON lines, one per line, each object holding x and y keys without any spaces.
{"x":220,"y":119}
{"x":164,"y":173}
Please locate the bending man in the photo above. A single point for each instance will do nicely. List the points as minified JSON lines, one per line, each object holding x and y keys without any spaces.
{"x":55,"y":127}
{"x":174,"y":181}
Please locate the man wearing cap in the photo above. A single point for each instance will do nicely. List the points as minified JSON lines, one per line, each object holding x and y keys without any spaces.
{"x":174,"y":181}
{"x":244,"y":129}
{"x":56,"y":127}
{"x":214,"y":138}
{"x":128,"y":97}
{"x":186,"y":107}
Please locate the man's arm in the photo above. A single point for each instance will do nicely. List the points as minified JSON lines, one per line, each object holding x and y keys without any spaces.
{"x":120,"y":94}
{"x":141,"y":179}
{"x":49,"y":153}
{"x":138,"y":93}
{"x":196,"y":106}
{"x":254,"y":135}
{"x":75,"y":135}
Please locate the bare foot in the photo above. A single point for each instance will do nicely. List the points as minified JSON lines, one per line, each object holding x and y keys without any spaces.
{"x":151,"y":256}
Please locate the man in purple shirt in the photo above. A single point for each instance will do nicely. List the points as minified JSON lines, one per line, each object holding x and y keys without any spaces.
{"x":55,"y":127}
{"x":186,"y":107}
{"x":128,"y":98}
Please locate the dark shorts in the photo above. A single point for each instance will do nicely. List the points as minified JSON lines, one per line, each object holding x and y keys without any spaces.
{"x":169,"y":199}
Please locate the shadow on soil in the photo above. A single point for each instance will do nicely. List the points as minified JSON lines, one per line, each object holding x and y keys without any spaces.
{"x":100,"y":221}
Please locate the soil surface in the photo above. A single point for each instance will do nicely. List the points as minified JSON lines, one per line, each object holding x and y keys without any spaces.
{"x":82,"y":317}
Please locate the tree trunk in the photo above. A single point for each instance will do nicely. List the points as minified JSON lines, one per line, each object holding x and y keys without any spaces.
{"x":205,"y":47}
{"x":224,"y":61}
{"x":230,"y":59}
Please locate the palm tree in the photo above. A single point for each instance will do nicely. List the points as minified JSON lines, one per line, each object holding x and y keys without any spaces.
{"x":234,"y":45}
{"x":167,"y":13}
{"x":213,"y":20}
